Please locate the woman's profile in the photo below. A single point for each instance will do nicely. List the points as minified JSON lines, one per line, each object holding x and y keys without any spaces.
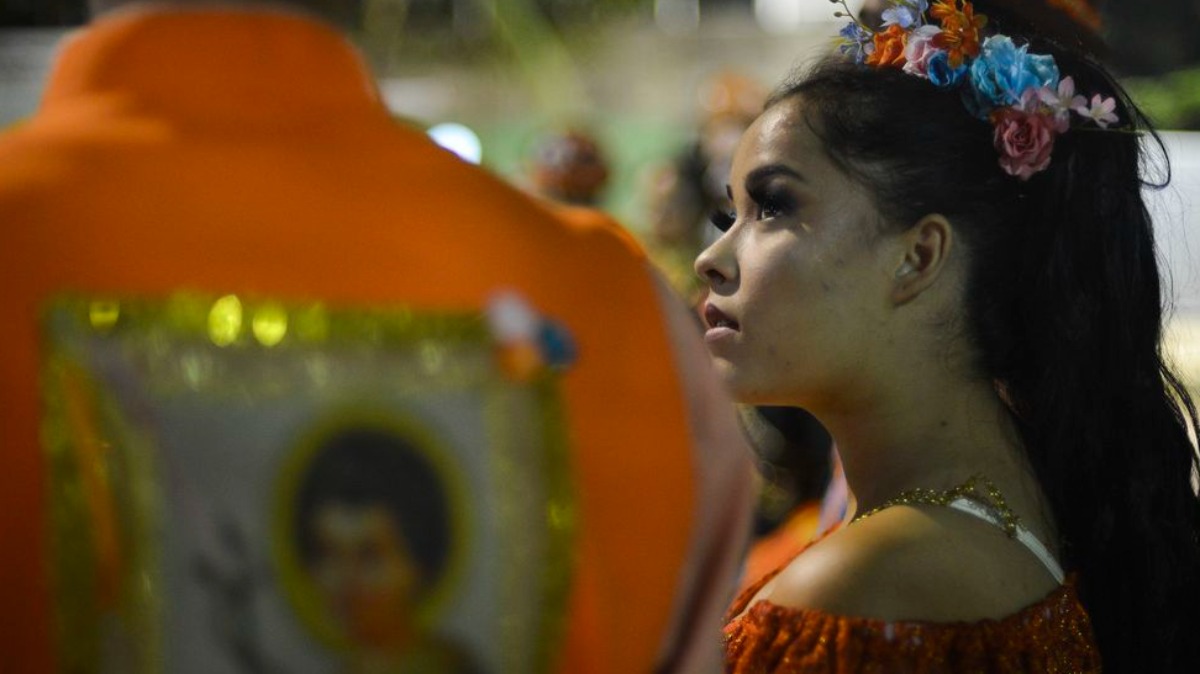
{"x":939,"y":247}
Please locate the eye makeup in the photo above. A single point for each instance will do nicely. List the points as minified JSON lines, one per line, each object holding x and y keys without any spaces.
{"x":722,"y":218}
{"x":764,"y":187}
{"x":773,"y":202}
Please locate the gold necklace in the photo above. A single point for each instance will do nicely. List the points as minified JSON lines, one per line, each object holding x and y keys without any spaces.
{"x":991,"y":498}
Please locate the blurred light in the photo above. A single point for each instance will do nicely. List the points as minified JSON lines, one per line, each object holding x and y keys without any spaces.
{"x":778,"y":16}
{"x":677,"y":17}
{"x":270,"y":324}
{"x":225,"y":320}
{"x":788,"y":16}
{"x":104,"y":314}
{"x":458,"y":139}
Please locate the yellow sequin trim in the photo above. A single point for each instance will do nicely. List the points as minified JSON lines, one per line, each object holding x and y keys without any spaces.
{"x":971,"y":489}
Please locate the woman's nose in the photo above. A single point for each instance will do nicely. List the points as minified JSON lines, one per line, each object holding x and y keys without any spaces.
{"x":717,"y":266}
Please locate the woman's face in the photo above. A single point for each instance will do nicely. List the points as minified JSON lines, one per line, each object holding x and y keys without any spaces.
{"x":800,"y":277}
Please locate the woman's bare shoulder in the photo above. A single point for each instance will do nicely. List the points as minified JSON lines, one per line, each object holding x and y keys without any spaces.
{"x":914,"y":563}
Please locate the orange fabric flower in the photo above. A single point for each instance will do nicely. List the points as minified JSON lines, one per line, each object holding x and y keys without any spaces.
{"x":889,"y":48}
{"x":960,"y":29}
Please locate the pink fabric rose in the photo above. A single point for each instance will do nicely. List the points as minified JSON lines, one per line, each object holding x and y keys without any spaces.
{"x":919,"y":50}
{"x":1024,"y":140}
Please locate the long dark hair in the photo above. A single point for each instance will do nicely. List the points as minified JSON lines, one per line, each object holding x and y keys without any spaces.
{"x":1064,"y":309}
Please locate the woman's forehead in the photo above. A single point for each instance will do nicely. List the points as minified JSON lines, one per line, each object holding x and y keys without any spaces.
{"x":782,"y":135}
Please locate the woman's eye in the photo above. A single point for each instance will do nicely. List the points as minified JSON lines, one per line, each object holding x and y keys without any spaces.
{"x":772,"y":203}
{"x":722,"y":219}
{"x":771,"y":208}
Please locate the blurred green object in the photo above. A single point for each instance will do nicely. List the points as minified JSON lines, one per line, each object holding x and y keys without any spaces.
{"x":1171,"y":101}
{"x":634,"y":145}
{"x":542,"y":40}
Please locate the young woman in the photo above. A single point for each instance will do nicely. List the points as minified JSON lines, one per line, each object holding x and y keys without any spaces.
{"x":941,"y":249}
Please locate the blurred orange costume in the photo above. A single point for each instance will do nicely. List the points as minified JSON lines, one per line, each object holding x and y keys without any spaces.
{"x":781,"y":546}
{"x":239,"y":151}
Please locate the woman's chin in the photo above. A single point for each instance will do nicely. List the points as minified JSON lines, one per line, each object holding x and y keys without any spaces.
{"x":747,"y":393}
{"x":732,"y":379}
{"x":746,"y":386}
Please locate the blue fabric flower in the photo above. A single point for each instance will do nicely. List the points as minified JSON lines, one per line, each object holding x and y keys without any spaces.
{"x":1044,"y":70}
{"x":941,"y":74}
{"x":853,"y":32}
{"x":1004,"y":71}
{"x":905,"y":13}
{"x":856,"y":42}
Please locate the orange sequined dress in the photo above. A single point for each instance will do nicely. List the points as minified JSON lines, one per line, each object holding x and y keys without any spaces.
{"x":1053,"y":635}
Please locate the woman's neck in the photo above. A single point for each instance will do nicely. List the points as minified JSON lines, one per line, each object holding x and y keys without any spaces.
{"x":926,"y":432}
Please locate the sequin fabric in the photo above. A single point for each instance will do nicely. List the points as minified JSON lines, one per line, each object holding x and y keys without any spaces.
{"x":1052,"y":636}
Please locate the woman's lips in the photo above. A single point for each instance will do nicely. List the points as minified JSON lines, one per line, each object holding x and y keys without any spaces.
{"x":715,"y":318}
{"x":719,"y":324}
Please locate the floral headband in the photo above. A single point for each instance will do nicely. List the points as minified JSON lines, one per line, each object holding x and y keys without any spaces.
{"x":1021,"y":94}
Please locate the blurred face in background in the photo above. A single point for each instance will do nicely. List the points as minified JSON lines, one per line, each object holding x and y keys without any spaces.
{"x":364,"y":571}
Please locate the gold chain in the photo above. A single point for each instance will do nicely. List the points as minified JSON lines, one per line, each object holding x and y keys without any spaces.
{"x":943,"y":497}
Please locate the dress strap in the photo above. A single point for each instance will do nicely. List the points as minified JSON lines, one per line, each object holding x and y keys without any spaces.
{"x":1023,"y":535}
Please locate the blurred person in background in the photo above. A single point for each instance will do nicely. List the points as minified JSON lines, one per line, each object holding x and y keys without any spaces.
{"x":569,"y":167}
{"x":939,"y":246}
{"x":569,"y":171}
{"x":241,"y":147}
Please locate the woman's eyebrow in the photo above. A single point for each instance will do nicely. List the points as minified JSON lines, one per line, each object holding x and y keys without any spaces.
{"x":762,"y":173}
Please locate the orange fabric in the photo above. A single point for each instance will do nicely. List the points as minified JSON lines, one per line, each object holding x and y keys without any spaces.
{"x":1052,"y":635}
{"x":248,"y":152}
{"x":589,"y":219}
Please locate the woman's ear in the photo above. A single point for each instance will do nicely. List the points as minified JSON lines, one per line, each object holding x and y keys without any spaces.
{"x":926,"y":249}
